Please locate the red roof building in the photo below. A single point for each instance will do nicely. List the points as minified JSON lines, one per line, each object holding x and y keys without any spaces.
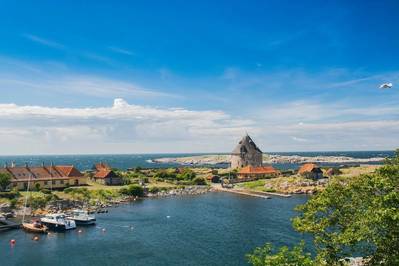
{"x":258,"y":172}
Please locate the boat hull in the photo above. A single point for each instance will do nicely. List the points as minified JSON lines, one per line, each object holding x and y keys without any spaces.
{"x":32,"y":229}
{"x":85,"y":222}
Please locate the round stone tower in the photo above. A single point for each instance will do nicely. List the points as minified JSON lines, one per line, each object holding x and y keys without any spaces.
{"x":246,"y":153}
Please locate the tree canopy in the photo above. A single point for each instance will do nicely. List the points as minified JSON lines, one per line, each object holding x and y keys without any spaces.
{"x":353,"y":216}
{"x":5,"y":181}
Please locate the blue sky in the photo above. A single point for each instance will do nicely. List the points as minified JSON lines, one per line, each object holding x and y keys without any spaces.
{"x":194,"y":77}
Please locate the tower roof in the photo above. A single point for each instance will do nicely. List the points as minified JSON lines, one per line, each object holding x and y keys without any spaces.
{"x":245,"y":145}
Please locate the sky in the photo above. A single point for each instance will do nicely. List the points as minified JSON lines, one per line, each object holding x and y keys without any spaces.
{"x":83,"y":77}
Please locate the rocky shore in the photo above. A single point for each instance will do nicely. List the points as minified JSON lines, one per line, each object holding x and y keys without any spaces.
{"x":187,"y":191}
{"x":267,"y":159}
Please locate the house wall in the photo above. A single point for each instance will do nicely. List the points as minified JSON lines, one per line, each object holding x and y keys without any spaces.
{"x":55,"y":183}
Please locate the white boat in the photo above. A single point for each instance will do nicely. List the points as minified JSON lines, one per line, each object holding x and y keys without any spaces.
{"x":58,"y":222}
{"x":81,"y":217}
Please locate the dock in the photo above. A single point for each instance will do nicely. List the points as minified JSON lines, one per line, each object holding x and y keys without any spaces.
{"x":8,"y":224}
{"x":242,"y":193}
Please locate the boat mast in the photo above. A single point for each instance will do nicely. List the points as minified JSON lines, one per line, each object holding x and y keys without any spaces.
{"x":26,"y":199}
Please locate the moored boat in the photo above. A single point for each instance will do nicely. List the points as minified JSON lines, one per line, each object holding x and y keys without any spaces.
{"x":58,"y":222}
{"x":82,"y":217}
{"x":35,"y":227}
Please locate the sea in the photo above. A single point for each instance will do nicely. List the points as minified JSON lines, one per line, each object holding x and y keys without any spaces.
{"x":216,"y":228}
{"x":124,"y":161}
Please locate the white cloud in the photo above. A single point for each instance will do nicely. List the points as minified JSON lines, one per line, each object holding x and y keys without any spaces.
{"x":120,"y":50}
{"x":42,"y":41}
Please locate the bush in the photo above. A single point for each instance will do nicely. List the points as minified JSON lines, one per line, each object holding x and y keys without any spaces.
{"x":37,"y":187}
{"x":200,"y":181}
{"x":133,"y":190}
{"x":154,"y":190}
{"x":9,"y":194}
{"x":46,"y":191}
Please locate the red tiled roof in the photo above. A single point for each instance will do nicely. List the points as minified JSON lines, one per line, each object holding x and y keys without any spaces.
{"x":23,"y":173}
{"x":307,"y":167}
{"x":103,"y":173}
{"x":69,"y":170}
{"x":102,"y":166}
{"x":258,"y":170}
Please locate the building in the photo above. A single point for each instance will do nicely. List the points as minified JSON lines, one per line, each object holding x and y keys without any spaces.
{"x":250,"y":172}
{"x":311,"y":170}
{"x":49,"y":177}
{"x":246,"y":153}
{"x":104,"y":174}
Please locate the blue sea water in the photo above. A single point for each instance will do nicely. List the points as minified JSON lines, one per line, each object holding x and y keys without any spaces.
{"x":123,"y":161}
{"x":213,"y":229}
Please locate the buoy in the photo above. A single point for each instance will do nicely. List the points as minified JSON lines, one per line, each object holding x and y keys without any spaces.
{"x":168,"y":216}
{"x":104,"y":230}
{"x":48,"y":233}
{"x":131,"y":227}
{"x":35,"y":238}
{"x":12,"y":241}
{"x":80,"y":231}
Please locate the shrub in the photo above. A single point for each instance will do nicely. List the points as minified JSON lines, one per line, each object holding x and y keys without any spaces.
{"x":154,"y":190}
{"x":9,"y":194}
{"x":200,"y":181}
{"x":5,"y":181}
{"x":133,"y":190}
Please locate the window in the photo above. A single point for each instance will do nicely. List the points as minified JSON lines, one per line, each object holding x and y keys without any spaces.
{"x":46,"y":183}
{"x":62,"y":181}
{"x":53,"y":182}
{"x":76,"y":182}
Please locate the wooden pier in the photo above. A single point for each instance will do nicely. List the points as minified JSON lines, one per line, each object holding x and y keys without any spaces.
{"x":8,"y":224}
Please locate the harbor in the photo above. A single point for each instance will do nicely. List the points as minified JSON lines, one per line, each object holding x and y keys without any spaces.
{"x":201,"y":230}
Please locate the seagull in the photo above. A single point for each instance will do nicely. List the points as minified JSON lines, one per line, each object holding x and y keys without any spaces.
{"x":386,"y":85}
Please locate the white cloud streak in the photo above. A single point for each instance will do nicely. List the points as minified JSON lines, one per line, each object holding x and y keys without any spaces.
{"x":42,"y":41}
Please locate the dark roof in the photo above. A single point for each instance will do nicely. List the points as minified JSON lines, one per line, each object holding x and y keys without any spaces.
{"x":246,"y":144}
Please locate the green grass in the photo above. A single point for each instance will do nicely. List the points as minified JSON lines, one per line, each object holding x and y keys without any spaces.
{"x":257,"y":185}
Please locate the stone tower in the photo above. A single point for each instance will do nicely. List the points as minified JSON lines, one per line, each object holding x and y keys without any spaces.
{"x":246,"y":153}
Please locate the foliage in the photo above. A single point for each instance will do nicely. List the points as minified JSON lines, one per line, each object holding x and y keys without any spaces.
{"x":351,"y":216}
{"x":133,"y":190}
{"x":9,"y":194}
{"x":186,"y":174}
{"x":254,"y":184}
{"x":37,"y":187}
{"x":40,"y":202}
{"x":154,"y":190}
{"x":267,"y":256}
{"x":5,"y":181}
{"x":357,"y":216}
{"x":200,"y":181}
{"x":78,"y":193}
{"x":163,"y":174}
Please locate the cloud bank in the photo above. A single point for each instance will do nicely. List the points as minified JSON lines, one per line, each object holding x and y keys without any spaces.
{"x":129,"y":128}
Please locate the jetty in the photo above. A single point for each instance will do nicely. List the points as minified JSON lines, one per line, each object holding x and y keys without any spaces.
{"x":8,"y":224}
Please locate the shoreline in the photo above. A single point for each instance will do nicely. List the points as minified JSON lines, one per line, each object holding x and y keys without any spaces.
{"x":224,"y":159}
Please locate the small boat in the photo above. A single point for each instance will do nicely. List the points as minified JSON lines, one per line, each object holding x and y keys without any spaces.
{"x":82,"y":217}
{"x":35,"y":227}
{"x":58,"y":222}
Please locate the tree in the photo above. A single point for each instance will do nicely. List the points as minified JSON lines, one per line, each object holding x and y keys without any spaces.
{"x":5,"y":181}
{"x":267,"y":256}
{"x":355,"y":216}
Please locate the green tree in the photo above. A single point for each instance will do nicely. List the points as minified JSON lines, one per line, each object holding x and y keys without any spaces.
{"x":267,"y":256}
{"x":355,"y":216}
{"x":5,"y":181}
{"x":358,"y":216}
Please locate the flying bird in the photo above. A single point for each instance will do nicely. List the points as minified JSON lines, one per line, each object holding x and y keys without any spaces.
{"x":386,"y":85}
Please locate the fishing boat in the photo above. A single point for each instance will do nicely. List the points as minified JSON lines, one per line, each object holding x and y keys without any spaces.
{"x":58,"y":222}
{"x":82,"y":217}
{"x":35,"y":227}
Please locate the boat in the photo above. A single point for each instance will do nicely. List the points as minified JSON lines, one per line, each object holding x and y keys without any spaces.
{"x":82,"y":217}
{"x":58,"y":222}
{"x":35,"y":227}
